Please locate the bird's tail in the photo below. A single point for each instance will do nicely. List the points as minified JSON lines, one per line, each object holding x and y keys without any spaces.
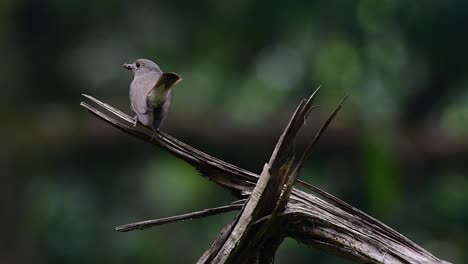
{"x":167,"y":80}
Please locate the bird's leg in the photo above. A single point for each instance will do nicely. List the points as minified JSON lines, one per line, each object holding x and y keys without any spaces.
{"x":154,"y":134}
{"x":135,"y":120}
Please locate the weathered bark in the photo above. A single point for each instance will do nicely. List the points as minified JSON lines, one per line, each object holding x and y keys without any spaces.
{"x":275,"y":210}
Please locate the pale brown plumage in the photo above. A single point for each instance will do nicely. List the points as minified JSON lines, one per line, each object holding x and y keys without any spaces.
{"x":150,"y":92}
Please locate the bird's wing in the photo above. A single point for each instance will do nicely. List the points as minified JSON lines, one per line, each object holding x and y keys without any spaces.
{"x":139,"y":90}
{"x":158,"y":94}
{"x":159,"y":113}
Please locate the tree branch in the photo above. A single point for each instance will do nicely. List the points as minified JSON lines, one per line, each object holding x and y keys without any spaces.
{"x":327,"y":223}
{"x":199,"y":214}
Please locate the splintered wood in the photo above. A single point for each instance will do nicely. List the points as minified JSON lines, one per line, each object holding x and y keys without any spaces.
{"x":271,"y":208}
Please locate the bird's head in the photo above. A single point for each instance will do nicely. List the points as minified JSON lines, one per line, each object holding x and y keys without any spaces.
{"x":142,"y":66}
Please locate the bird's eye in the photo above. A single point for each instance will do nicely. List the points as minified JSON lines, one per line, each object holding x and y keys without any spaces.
{"x":137,"y":64}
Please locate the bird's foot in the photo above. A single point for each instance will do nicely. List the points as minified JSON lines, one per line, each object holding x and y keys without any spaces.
{"x":135,"y":121}
{"x":154,"y":134}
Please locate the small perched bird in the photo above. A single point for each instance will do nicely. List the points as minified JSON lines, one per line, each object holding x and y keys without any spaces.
{"x":150,"y":92}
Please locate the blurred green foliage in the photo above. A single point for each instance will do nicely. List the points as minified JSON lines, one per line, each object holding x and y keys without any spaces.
{"x":398,"y":149}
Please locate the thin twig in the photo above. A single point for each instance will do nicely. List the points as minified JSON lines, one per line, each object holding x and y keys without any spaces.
{"x":319,"y":134}
{"x":177,"y":218}
{"x":297,"y":170}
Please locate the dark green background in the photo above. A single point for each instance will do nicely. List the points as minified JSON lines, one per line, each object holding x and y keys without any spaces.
{"x":398,"y":150}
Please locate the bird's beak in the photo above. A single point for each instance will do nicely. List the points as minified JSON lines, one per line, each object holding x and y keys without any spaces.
{"x":129,"y":66}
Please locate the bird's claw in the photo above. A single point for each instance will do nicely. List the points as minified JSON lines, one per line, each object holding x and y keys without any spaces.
{"x":135,"y":121}
{"x":154,"y":134}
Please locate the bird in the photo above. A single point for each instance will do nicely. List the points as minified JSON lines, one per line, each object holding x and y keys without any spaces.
{"x":150,"y":92}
